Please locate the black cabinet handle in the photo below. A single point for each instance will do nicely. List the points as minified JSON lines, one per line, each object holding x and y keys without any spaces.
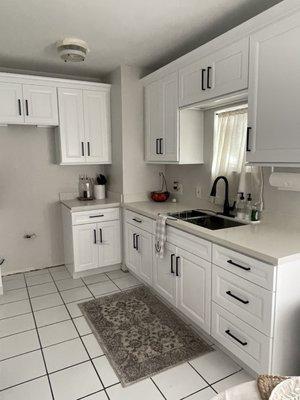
{"x":19,"y":106}
{"x":235,"y":338}
{"x":137,"y":242}
{"x":133,"y":240}
{"x":177,"y":265}
{"x":96,"y":216}
{"x":26,"y":107}
{"x":101,"y":239}
{"x":248,"y":139}
{"x":238,"y":265}
{"x":156,"y":150}
{"x":202,"y":78}
{"x":137,"y":220}
{"x":237,"y":298}
{"x":95,"y":236}
{"x":160,"y":146}
{"x":172,"y":263}
{"x":82,"y":148}
{"x":88,"y":148}
{"x":2,"y":260}
{"x":208,"y":78}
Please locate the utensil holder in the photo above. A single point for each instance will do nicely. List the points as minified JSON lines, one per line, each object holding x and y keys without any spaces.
{"x":99,"y":192}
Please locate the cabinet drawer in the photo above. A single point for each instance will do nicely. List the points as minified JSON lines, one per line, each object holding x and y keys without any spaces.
{"x":87,"y":217}
{"x":245,"y":342}
{"x":140,"y":221}
{"x":190,"y":243}
{"x":252,"y":303}
{"x":249,"y":268}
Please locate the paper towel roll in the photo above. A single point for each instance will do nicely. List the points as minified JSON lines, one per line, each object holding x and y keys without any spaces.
{"x":285,"y":181}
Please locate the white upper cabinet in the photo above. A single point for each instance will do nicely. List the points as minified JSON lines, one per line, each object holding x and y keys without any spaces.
{"x":96,"y":106}
{"x":84,"y":126}
{"x":71,"y":126}
{"x":40,"y":105}
{"x":221,"y":73}
{"x":11,"y":107}
{"x":28,"y":104}
{"x":170,"y":137}
{"x":274,"y":87}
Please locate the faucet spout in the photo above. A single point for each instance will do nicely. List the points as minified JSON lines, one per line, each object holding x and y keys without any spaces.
{"x":226,"y":207}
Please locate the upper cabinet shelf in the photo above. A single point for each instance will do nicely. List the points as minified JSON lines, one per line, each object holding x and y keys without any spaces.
{"x":80,"y":110}
{"x":218,"y":74}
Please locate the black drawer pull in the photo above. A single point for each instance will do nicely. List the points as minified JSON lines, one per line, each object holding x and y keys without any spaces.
{"x":101,"y":239}
{"x":96,"y":216}
{"x":248,"y":139}
{"x":160,"y":146}
{"x":137,"y":242}
{"x":238,"y":265}
{"x":235,"y":338}
{"x":156,"y":149}
{"x":202,"y":78}
{"x":137,"y":220}
{"x":172,"y":263}
{"x":133,"y":239}
{"x":177,"y":266}
{"x":208,"y":78}
{"x":95,"y":237}
{"x":26,"y":106}
{"x":237,"y":298}
{"x":89,"y":149}
{"x":19,"y":106}
{"x":82,"y":149}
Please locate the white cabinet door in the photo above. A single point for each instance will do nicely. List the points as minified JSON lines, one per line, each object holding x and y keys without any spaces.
{"x":96,"y":106}
{"x":109,"y":242}
{"x":221,"y":73}
{"x":11,"y":107}
{"x":40,"y":105}
{"x":144,"y":248}
{"x":164,"y":274}
{"x":162,"y":120}
{"x":132,"y":257}
{"x":86,"y":249}
{"x":72,"y":141}
{"x":274,"y":87}
{"x":194,"y":288}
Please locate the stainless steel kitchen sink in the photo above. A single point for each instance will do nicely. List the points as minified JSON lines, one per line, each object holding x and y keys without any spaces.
{"x":207,"y":220}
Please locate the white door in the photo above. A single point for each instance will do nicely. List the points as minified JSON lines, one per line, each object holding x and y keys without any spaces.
{"x":164,"y":273}
{"x":132,"y":256}
{"x":274,"y":87}
{"x":71,"y":126}
{"x":86,"y":248}
{"x":193,"y":288}
{"x":221,"y":73}
{"x":11,"y":107}
{"x":96,"y":105}
{"x":40,"y":105}
{"x":144,"y":248}
{"x":109,"y":243}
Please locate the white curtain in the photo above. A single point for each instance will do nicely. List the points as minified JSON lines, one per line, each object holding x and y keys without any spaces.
{"x":229,"y":154}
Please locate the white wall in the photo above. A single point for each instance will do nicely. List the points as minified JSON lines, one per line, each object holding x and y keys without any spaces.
{"x":29,"y":186}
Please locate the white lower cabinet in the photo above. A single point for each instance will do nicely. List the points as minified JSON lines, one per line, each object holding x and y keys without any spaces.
{"x":93,"y":244}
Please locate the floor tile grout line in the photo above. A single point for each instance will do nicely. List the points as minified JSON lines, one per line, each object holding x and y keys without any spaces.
{"x":197,"y":391}
{"x":13,"y":316}
{"x":152,"y":380}
{"x":20,"y":354}
{"x":40,"y":342}
{"x":16,"y":333}
{"x":228,"y":376}
{"x":22,"y":383}
{"x":91,"y":394}
{"x":88,"y":354}
{"x":205,"y":380}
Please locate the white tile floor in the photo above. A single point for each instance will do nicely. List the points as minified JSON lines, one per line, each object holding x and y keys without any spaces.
{"x":47,"y":350}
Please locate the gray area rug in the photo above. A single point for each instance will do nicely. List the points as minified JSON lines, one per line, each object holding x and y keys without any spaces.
{"x":139,"y":334}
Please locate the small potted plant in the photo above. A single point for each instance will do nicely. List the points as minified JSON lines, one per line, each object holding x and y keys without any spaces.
{"x":99,"y":187}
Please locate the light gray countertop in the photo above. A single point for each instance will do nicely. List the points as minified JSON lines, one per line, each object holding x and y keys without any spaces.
{"x":275,"y":240}
{"x":78,"y":205}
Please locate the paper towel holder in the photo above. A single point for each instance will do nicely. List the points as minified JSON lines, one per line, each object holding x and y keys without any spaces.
{"x":285,"y":181}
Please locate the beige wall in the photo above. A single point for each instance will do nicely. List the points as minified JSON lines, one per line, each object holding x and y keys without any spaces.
{"x":29,"y":187}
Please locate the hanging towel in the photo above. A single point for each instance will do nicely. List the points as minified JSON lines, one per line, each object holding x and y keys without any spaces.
{"x":160,"y":235}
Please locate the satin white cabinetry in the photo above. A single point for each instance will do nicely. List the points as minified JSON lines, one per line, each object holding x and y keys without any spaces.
{"x":171,"y":135}
{"x":92,"y":239}
{"x":84,"y":126}
{"x":27,"y":104}
{"x":274,"y":85}
{"x":220,"y":73}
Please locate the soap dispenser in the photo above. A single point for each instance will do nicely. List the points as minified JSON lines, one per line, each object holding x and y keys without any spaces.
{"x":248,"y":207}
{"x":241,"y":206}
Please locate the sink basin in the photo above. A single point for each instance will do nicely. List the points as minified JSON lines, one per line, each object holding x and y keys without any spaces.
{"x":209,"y":221}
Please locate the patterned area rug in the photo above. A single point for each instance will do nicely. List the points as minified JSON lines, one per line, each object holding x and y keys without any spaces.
{"x":139,"y":334}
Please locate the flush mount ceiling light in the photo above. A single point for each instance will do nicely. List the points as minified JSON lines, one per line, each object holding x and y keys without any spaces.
{"x":72,"y":49}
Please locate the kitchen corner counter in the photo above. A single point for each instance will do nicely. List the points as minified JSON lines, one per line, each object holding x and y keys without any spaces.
{"x":275,"y":240}
{"x":78,"y":205}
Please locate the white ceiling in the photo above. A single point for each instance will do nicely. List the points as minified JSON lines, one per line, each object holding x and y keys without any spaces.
{"x":145,"y":33}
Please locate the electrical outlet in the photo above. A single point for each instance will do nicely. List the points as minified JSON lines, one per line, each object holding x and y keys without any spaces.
{"x":198,"y":191}
{"x":177,"y":186}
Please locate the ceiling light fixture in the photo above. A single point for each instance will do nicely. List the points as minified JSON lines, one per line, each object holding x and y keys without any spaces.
{"x":72,"y":49}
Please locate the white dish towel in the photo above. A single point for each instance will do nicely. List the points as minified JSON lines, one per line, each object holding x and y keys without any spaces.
{"x":160,"y":235}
